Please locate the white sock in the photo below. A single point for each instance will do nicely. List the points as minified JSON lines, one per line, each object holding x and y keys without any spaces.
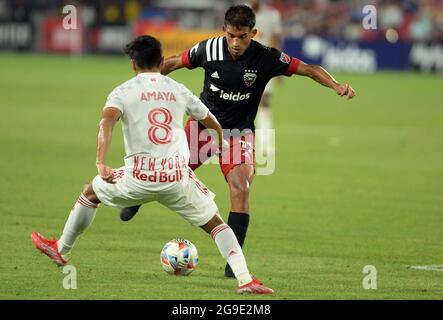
{"x":79,"y":219}
{"x":230,"y":250}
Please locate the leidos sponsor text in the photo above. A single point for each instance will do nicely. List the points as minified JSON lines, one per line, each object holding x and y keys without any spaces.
{"x":234,"y":96}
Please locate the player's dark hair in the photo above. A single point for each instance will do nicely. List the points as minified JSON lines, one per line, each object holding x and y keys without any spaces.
{"x":240,"y":16}
{"x":146,"y":51}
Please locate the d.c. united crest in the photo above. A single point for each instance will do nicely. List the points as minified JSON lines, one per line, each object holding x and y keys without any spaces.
{"x":285,"y":58}
{"x":250,"y":76}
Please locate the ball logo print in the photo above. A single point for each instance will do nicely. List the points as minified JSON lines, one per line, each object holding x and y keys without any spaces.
{"x":179,"y":257}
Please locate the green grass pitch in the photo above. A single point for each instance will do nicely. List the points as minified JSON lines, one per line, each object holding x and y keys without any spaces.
{"x":356,"y":183}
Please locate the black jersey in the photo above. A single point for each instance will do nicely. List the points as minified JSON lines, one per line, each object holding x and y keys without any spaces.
{"x":233,"y":88}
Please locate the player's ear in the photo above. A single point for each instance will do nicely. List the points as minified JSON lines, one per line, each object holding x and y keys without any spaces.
{"x":224,"y":28}
{"x":254,"y":33}
{"x":134,"y":66}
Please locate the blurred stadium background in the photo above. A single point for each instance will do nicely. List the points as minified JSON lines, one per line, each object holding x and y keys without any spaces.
{"x":409,"y":32}
{"x":356,"y":183}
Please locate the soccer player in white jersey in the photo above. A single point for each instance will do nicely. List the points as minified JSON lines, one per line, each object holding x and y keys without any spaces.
{"x":270,"y":33}
{"x":151,"y":107}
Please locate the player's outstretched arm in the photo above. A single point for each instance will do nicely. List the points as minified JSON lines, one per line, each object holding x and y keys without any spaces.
{"x":321,"y":76}
{"x":170,"y":64}
{"x":104,"y":138}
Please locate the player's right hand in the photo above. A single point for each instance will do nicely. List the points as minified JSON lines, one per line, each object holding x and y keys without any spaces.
{"x":106,"y":173}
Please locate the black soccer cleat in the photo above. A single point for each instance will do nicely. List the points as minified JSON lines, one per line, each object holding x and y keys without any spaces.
{"x":228,"y":272}
{"x":127,"y":214}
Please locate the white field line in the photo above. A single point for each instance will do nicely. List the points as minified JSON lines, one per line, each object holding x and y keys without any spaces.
{"x":436,"y":267}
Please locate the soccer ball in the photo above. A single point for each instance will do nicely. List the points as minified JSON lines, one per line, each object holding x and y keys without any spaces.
{"x":179,"y":257}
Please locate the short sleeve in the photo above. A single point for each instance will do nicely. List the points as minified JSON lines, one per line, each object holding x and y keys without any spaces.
{"x":114,"y":100}
{"x":194,"y":57}
{"x":281,"y":64}
{"x":194,"y":107}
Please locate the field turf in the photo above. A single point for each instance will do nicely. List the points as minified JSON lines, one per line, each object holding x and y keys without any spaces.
{"x":356,"y":183}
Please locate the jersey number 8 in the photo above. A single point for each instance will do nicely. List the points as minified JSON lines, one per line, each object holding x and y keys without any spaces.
{"x":156,"y":125}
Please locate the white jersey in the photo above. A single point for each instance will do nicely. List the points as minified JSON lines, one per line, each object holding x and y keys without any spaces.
{"x":153,"y":107}
{"x":268,"y":23}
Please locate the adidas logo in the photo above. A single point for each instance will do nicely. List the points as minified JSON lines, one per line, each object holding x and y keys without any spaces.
{"x":213,"y":88}
{"x":215,"y":75}
{"x":231,"y":253}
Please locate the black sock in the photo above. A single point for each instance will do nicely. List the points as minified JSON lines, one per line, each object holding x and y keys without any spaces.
{"x":239,"y":224}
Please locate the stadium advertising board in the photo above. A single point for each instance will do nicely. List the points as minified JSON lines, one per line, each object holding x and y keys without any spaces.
{"x":427,"y":57}
{"x":365,"y":57}
{"x":55,"y":38}
{"x":110,"y":39}
{"x":174,"y":39}
{"x":15,"y":35}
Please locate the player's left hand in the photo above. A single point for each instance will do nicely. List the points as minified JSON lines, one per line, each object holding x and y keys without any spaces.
{"x":106,"y":173}
{"x":345,"y":90}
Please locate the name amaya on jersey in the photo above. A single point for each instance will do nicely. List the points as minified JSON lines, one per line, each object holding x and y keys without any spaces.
{"x":153,"y":107}
{"x":233,"y":88}
{"x":157,"y":96}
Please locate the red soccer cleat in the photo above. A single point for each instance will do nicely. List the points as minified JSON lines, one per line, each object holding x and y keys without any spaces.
{"x":256,"y":280}
{"x":48,"y":247}
{"x":254,"y":287}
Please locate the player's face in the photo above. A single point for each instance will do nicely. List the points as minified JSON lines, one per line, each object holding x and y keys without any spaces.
{"x":238,"y":39}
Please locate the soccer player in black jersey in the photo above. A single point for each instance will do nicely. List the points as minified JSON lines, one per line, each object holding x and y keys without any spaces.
{"x":237,"y":70}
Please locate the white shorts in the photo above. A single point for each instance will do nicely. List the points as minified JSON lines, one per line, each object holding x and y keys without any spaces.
{"x":188,"y":197}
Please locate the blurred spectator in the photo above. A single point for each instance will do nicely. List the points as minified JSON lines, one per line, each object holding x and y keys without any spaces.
{"x":391,"y":15}
{"x":406,"y":20}
{"x":421,"y":26}
{"x":339,"y":19}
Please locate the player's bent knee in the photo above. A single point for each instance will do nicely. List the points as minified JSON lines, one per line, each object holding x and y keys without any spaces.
{"x":240,"y":179}
{"x":215,"y":221}
{"x":89,"y":193}
{"x":240,"y":186}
